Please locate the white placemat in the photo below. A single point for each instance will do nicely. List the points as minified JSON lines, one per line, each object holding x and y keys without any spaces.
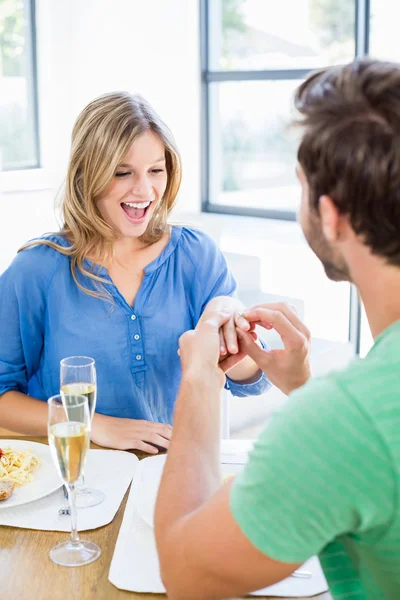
{"x":135,"y":565}
{"x":110,"y":471}
{"x":235,"y":451}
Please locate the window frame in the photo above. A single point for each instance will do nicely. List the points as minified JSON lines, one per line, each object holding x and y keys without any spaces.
{"x":29,"y":8}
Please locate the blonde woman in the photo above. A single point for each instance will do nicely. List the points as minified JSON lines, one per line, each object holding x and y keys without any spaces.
{"x":116,"y":283}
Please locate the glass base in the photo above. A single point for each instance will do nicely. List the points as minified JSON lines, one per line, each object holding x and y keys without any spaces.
{"x":86,"y":497}
{"x":74,"y":554}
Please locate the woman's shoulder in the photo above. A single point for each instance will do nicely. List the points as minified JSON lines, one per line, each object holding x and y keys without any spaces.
{"x":196,"y":243}
{"x":40,"y":257}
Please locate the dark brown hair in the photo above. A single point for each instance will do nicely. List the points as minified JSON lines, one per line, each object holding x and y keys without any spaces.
{"x":350,"y":148}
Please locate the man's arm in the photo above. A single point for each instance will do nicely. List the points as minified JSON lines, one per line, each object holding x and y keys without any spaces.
{"x":206,"y":556}
{"x":203,"y":553}
{"x":302,"y":487}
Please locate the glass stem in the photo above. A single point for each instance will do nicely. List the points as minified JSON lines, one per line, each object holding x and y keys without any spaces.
{"x":72,"y":507}
{"x":81,"y":485}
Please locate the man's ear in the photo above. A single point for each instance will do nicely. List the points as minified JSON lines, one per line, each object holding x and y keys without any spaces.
{"x":330,"y":218}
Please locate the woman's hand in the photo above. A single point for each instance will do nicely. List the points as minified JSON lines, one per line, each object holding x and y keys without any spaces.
{"x":228,"y":338}
{"x":130,"y":434}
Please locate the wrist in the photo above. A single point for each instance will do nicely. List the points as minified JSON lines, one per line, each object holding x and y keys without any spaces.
{"x":97,"y":423}
{"x":296,"y":384}
{"x":203,"y":377}
{"x":245,"y":372}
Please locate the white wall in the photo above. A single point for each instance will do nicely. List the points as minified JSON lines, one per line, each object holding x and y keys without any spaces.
{"x":150,"y":47}
{"x":86,"y":48}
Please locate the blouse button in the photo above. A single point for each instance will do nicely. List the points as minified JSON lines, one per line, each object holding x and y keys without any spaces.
{"x":138,"y":357}
{"x":136,"y":337}
{"x":133,"y":317}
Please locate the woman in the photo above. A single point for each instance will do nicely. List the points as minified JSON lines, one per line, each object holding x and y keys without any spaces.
{"x":117,"y":283}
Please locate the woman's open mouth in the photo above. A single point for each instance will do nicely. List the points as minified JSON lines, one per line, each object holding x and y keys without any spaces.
{"x":135,"y":212}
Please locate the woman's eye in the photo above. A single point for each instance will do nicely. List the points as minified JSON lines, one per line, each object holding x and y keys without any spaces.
{"x":157,"y":170}
{"x":121,"y":174}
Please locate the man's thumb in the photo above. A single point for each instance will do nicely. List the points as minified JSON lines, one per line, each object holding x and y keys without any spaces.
{"x":251,"y":348}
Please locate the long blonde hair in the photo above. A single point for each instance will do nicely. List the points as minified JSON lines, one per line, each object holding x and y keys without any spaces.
{"x":101,"y":138}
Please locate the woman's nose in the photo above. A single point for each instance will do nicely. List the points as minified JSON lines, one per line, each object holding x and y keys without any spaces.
{"x":142,"y":188}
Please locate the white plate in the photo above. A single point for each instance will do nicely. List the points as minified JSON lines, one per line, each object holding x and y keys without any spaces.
{"x":148,"y":478}
{"x":45,"y":480}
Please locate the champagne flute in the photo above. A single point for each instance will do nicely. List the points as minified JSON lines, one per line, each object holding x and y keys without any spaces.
{"x":78,"y":376}
{"x":69,"y":438}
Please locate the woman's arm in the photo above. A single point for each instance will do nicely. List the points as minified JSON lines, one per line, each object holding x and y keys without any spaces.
{"x":247,"y":371}
{"x":23,"y":414}
{"x":23,"y":291}
{"x":26,"y":415}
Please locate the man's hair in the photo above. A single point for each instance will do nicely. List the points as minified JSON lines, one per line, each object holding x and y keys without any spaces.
{"x":350,"y":148}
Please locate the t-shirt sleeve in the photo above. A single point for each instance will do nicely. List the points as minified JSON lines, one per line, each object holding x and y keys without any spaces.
{"x":319,"y":470}
{"x":23,"y":288}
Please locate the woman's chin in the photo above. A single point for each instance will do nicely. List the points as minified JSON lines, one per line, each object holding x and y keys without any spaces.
{"x":134,"y":230}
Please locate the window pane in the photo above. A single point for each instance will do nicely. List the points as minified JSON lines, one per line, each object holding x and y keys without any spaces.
{"x":384,"y":26}
{"x":290,"y":268}
{"x":18,"y":144}
{"x":288,"y":34}
{"x":253,"y":150}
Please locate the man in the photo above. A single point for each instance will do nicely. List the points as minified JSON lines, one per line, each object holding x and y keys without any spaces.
{"x":324,"y":477}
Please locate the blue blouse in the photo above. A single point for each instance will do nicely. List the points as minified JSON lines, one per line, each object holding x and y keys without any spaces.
{"x":45,"y":317}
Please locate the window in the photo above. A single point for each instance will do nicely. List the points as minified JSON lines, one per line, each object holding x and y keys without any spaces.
{"x":255,"y":54}
{"x":385,"y":16}
{"x":19,"y":147}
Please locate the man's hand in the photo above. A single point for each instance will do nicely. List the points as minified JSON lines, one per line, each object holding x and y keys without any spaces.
{"x":230,"y":354}
{"x":289,"y":368}
{"x":229,"y":343}
{"x":199,"y":349}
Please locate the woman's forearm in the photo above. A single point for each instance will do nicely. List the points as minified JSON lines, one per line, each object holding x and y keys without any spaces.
{"x":23,"y":414}
{"x":245,"y":372}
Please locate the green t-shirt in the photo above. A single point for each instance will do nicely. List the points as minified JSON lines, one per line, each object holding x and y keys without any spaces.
{"x":324,"y":477}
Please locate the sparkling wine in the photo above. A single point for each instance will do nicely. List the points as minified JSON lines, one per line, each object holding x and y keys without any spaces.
{"x":69,"y":442}
{"x":82,"y":389}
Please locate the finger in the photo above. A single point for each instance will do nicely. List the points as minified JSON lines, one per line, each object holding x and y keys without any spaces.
{"x":158,"y":429}
{"x":139,"y":445}
{"x":156,"y":440}
{"x":253,"y":326}
{"x":159,"y":448}
{"x":250,"y":348}
{"x":292,"y":338}
{"x":230,"y":336}
{"x":289,"y":313}
{"x":241,"y":322}
{"x":222,"y":347}
{"x":214,"y":320}
{"x":259,"y":315}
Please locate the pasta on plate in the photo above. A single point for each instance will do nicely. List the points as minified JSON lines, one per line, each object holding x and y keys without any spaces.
{"x":17,"y":467}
